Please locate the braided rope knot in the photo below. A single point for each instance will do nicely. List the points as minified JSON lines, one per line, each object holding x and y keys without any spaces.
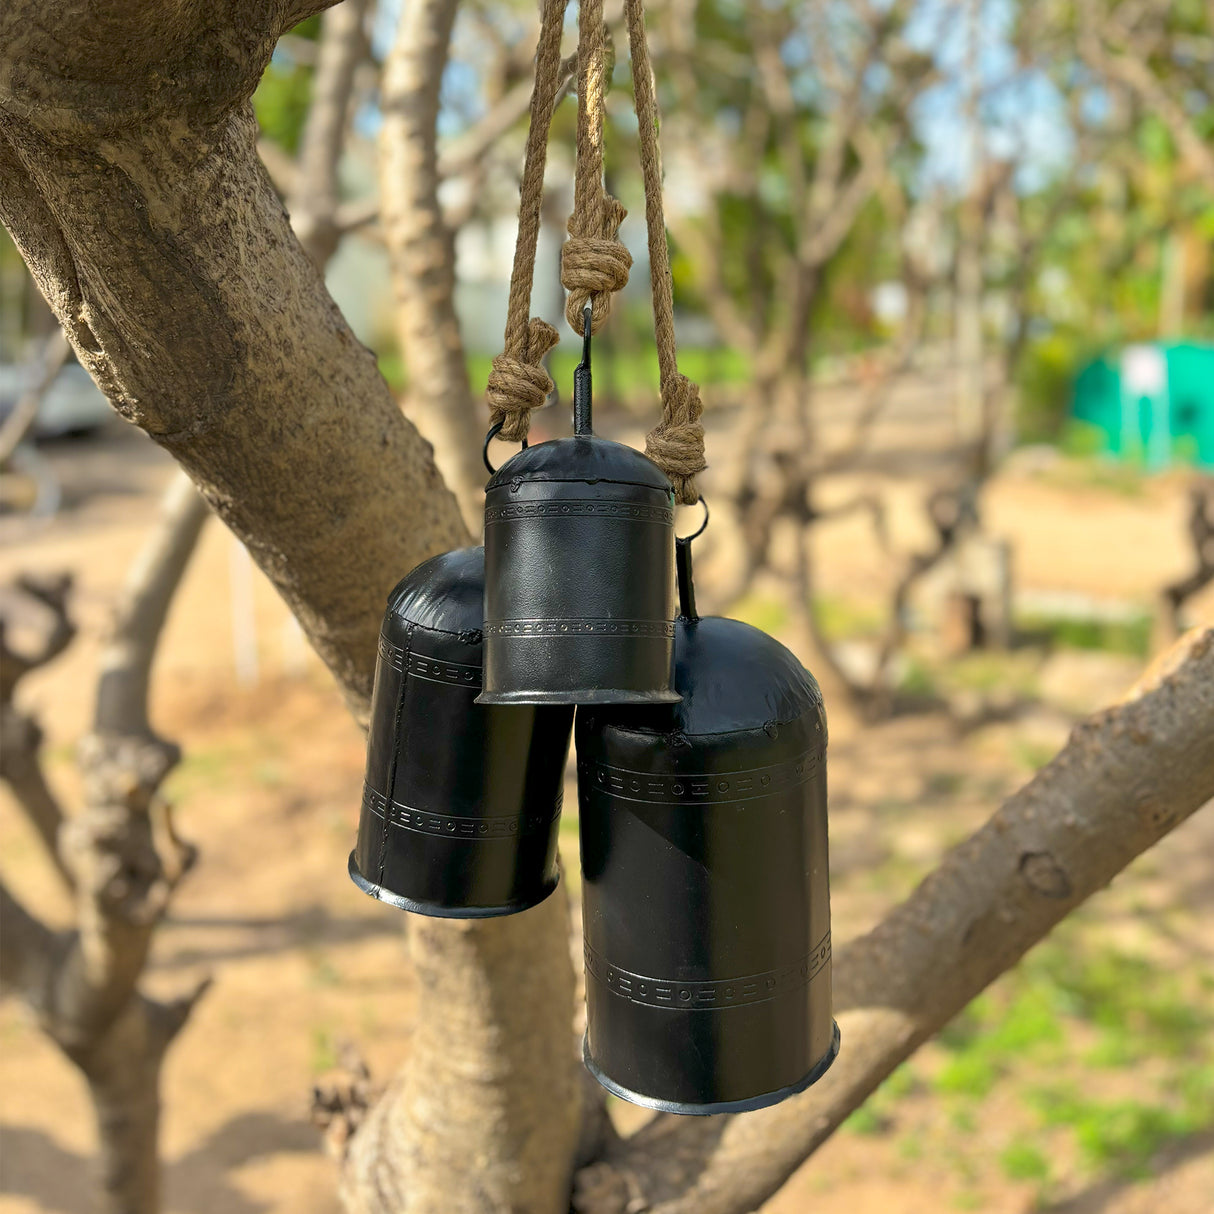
{"x":594,"y":264}
{"x":519,"y":383}
{"x":676,"y":444}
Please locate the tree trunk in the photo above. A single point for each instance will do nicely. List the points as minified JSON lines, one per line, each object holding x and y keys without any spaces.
{"x":422,"y":252}
{"x":487,"y":1113}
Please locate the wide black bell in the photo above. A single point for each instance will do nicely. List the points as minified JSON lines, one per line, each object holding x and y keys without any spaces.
{"x":579,"y":572}
{"x":461,"y":803}
{"x":706,"y":902}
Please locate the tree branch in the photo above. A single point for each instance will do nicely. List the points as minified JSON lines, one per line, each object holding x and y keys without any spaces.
{"x":126,"y":662}
{"x":20,"y":734}
{"x":1123,"y":65}
{"x":1126,"y":777}
{"x":17,"y":424}
{"x":421,"y":248}
{"x":315,"y":197}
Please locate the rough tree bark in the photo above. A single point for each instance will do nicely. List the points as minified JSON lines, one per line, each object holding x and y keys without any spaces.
{"x":130,"y":182}
{"x":421,"y":250}
{"x":82,"y":984}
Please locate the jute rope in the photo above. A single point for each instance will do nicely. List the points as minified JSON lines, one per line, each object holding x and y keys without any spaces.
{"x":676,"y":444}
{"x":594,"y":261}
{"x":518,"y":381}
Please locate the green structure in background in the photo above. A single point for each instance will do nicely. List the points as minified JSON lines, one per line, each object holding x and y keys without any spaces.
{"x":1152,"y":402}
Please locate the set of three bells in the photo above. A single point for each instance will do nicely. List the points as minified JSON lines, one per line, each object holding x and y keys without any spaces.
{"x":701,"y":768}
{"x":701,"y":742}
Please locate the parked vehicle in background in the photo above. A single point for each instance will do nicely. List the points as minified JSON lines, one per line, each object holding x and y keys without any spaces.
{"x":73,"y":404}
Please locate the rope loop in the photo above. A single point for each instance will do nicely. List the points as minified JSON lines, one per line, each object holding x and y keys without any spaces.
{"x":593,"y":268}
{"x":519,"y":384}
{"x":676,"y":443}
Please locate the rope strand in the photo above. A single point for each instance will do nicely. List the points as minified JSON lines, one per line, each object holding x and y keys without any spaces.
{"x":594,"y":261}
{"x":518,"y":381}
{"x":676,"y":444}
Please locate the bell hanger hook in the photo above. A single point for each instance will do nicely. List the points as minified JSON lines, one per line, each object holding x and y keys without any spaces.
{"x":582,"y":386}
{"x":682,"y":559}
{"x":494,"y":431}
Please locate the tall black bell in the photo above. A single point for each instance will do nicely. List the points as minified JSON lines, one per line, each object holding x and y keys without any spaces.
{"x":706,"y":900}
{"x":579,"y":572}
{"x":461,"y":804}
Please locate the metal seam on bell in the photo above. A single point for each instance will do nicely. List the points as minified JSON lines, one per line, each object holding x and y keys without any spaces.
{"x":709,"y":993}
{"x":400,"y":707}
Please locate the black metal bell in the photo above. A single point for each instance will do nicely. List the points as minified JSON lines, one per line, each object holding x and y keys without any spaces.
{"x":579,"y":572}
{"x":706,"y":902}
{"x":461,"y":804}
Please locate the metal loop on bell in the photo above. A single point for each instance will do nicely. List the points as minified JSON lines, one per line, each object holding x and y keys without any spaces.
{"x":494,"y":431}
{"x":699,"y":531}
{"x":682,"y":564}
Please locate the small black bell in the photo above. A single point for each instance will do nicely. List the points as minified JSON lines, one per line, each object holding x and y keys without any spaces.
{"x":706,"y":902}
{"x":461,"y":804}
{"x":579,"y":571}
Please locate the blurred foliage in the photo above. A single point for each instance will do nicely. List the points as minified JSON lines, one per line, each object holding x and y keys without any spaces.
{"x":282,"y":98}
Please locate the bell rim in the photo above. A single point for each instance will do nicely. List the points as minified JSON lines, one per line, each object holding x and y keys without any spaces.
{"x":436,"y":910}
{"x":688,"y":1109}
{"x":590,"y":697}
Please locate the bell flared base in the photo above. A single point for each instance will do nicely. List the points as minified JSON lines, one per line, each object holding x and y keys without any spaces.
{"x":439,"y":911}
{"x":749,"y":1105}
{"x":588,"y":696}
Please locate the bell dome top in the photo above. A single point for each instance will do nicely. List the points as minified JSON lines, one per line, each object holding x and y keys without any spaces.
{"x":734,"y":677}
{"x":582,"y":458}
{"x":444,"y":594}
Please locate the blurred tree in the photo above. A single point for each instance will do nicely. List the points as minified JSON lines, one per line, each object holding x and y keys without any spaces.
{"x":135,"y":193}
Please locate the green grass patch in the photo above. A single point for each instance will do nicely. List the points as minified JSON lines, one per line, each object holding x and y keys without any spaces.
{"x":1130,"y":636}
{"x":324,"y":1051}
{"x":841,"y":618}
{"x":917,"y":679}
{"x":1022,"y":1160}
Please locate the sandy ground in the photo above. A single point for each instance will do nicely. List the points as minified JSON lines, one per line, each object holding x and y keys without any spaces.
{"x":269,"y":791}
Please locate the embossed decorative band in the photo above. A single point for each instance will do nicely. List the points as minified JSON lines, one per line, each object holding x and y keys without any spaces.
{"x":422,"y":667}
{"x":696,"y":789}
{"x":604,"y":628}
{"x":716,"y":993}
{"x":581,"y":508}
{"x":454,"y":826}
